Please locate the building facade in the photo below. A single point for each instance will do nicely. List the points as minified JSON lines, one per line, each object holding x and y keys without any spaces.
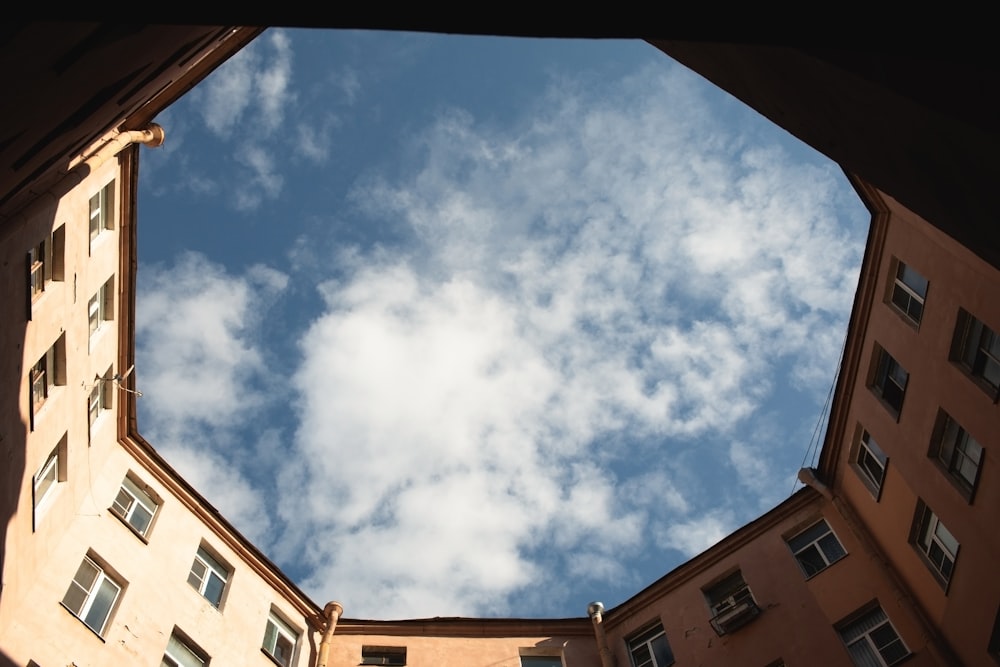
{"x":108,"y":557}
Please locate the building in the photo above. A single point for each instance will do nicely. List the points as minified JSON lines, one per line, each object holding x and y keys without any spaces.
{"x":108,"y":557}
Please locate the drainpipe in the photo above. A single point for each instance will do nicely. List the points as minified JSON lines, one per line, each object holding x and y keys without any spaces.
{"x":596,"y":612}
{"x":937,"y":644}
{"x":331,"y":614}
{"x":96,"y":155}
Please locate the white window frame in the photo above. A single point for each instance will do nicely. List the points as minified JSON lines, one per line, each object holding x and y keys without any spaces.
{"x":869,"y":456}
{"x":903,"y":295}
{"x":650,"y":648}
{"x":276,"y":629}
{"x":102,"y":582}
{"x":102,"y":211}
{"x":824,"y":542}
{"x":100,"y":398}
{"x":209,"y":566}
{"x":180,"y":654}
{"x":938,"y":546}
{"x":100,"y":307}
{"x":129,"y":504}
{"x":868,"y":637}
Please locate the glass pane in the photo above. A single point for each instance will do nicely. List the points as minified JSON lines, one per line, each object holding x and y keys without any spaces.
{"x":661,"y":651}
{"x":75,"y":597}
{"x":197,"y":574}
{"x":101,"y":605}
{"x":270,"y":637}
{"x":913,"y":280}
{"x":122,"y":502}
{"x":140,"y":519}
{"x":811,"y":560}
{"x":283,"y":650}
{"x":810,"y":535}
{"x":832,"y":548}
{"x":213,"y":589}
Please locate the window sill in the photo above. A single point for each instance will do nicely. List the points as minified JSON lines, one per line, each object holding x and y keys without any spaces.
{"x":993,"y":393}
{"x":874,"y":489}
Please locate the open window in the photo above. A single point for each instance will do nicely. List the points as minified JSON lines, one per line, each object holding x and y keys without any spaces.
{"x":383,"y":655}
{"x":209,"y":575}
{"x":280,"y":639}
{"x":136,"y":505}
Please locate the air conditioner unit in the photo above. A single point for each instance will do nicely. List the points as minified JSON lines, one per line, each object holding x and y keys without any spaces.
{"x":734,"y":612}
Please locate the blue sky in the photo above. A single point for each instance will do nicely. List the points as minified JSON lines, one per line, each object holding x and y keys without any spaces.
{"x":473,"y":326}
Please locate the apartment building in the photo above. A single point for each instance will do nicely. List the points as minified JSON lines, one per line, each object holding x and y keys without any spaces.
{"x":109,"y":557}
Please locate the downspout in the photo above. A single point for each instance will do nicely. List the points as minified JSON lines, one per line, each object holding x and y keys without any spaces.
{"x":937,"y":644}
{"x":92,"y":158}
{"x":331,"y":614}
{"x":596,"y":612}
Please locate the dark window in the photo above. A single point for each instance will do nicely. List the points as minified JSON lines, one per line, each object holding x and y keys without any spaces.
{"x":650,"y":648}
{"x":909,"y":289}
{"x":890,"y":381}
{"x":872,"y":641}
{"x":976,"y":348}
{"x":816,"y":548}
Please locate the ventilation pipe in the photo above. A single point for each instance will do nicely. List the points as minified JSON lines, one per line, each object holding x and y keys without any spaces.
{"x":331,"y":614}
{"x":935,"y":642}
{"x":596,"y":612}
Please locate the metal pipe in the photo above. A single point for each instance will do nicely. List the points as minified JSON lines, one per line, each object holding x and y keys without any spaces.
{"x":331,"y":614}
{"x":596,"y":612}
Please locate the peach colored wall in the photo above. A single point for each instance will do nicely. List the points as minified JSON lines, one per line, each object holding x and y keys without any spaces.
{"x":957,"y":278}
{"x":798,"y":615}
{"x":477,"y":651}
{"x":40,"y":563}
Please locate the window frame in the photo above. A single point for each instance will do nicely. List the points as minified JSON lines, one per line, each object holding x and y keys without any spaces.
{"x":951,"y":446}
{"x":101,"y":307}
{"x":100,"y":399}
{"x":141,"y":498}
{"x":212,"y":565}
{"x":976,"y":348}
{"x":179,"y":643}
{"x":102,"y":211}
{"x":908,"y":294}
{"x":649,"y":640}
{"x":383,"y":655}
{"x":44,"y":376}
{"x":281,"y":629}
{"x":924,"y":537}
{"x":876,"y":617}
{"x":817,"y":544}
{"x":55,"y":464}
{"x":884,"y":373}
{"x":86,"y":606}
{"x":867,"y":455}
{"x":44,"y":263}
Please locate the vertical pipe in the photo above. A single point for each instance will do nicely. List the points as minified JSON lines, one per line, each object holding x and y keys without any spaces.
{"x":596,"y":612}
{"x":331,"y":614}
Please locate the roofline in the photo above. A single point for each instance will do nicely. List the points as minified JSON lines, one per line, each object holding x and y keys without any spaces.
{"x":144,"y":453}
{"x":457,"y":626}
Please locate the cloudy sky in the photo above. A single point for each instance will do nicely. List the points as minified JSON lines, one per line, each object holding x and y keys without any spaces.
{"x":468,"y":326}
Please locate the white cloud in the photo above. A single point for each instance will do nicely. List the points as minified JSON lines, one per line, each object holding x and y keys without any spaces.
{"x":203,"y":376}
{"x":614,"y":270}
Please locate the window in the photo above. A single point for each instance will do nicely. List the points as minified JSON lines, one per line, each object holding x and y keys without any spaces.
{"x":935,"y":542}
{"x":92,"y":595}
{"x":181,"y":652}
{"x":816,"y":548}
{"x":889,"y":381}
{"x":45,"y":263}
{"x":872,"y":641}
{"x":101,"y":307}
{"x":870,"y":463}
{"x":976,"y":348}
{"x":48,"y":372}
{"x":208,"y":576}
{"x":959,"y":454}
{"x":102,"y":210}
{"x":383,"y":655}
{"x":542,"y":661}
{"x":100,"y":397}
{"x":994,"y":645}
{"x":731,"y":602}
{"x":52,"y":472}
{"x":908,"y":291}
{"x":279,"y":640}
{"x":135,"y":505}
{"x":650,"y":648}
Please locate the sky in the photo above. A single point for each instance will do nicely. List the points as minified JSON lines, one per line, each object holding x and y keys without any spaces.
{"x":483,"y":326}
